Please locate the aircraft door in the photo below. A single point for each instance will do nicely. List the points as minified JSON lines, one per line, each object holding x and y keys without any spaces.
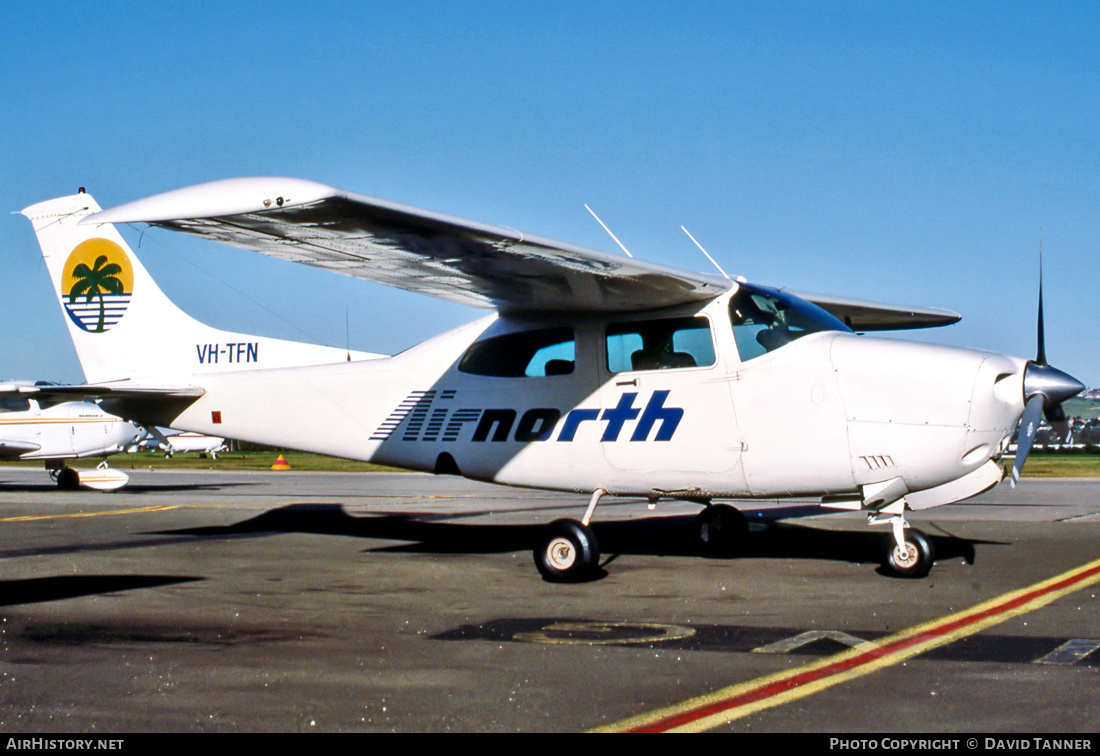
{"x":666,"y":410}
{"x":793,"y":426}
{"x":88,"y":434}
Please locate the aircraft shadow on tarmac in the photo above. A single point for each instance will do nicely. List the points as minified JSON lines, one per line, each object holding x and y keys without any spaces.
{"x":653,"y":536}
{"x":42,"y":589}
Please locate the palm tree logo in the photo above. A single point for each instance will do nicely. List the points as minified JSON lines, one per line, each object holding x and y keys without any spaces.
{"x":97,"y":285}
{"x":92,"y":282}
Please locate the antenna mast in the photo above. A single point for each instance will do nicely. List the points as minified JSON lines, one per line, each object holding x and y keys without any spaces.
{"x":700,"y":246}
{"x":608,"y":230}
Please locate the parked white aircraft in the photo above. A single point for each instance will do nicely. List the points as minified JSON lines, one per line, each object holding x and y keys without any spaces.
{"x":597,"y":373}
{"x":33,"y":427}
{"x":178,"y":443}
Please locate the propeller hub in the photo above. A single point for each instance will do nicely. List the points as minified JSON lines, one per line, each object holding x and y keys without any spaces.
{"x":1054,"y":385}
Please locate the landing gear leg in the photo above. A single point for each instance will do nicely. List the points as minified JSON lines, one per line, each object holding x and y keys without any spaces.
{"x":567,"y":550}
{"x":911,"y":554}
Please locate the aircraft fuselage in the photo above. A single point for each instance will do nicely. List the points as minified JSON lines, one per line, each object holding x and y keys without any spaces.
{"x":571,"y":403}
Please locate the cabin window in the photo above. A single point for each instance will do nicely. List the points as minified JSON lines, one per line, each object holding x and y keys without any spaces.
{"x":766,"y":319}
{"x":15,"y":404}
{"x":546,"y":352}
{"x":659,"y":344}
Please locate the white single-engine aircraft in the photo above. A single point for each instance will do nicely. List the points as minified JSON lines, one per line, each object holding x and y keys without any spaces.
{"x":597,"y":373}
{"x":34,"y":427}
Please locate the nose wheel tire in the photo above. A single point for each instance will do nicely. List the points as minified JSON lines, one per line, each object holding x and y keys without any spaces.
{"x":567,"y":552}
{"x":721,"y":530}
{"x":915,"y":559}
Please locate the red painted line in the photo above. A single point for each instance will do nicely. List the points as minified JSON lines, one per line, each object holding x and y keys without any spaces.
{"x":848,"y":661}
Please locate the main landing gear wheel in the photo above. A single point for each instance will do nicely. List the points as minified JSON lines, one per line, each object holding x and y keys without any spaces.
{"x":915,"y":560}
{"x":567,"y":552}
{"x":67,"y":479}
{"x":721,"y":530}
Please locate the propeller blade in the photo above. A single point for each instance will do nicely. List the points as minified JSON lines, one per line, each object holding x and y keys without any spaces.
{"x":1041,"y":346}
{"x":1056,"y":416}
{"x":1045,"y":388}
{"x":1029,"y":424}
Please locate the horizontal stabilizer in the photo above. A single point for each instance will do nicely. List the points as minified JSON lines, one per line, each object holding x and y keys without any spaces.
{"x":91,"y":392}
{"x":12,"y":449}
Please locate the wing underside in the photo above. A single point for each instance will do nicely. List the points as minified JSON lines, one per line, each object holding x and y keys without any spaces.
{"x":457,"y":260}
{"x":450,"y":258}
{"x":877,"y":316}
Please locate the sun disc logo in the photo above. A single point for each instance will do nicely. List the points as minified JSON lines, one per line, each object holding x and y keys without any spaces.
{"x":96,"y":285}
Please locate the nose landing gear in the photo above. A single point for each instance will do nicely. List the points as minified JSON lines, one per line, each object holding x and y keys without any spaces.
{"x":911,"y":555}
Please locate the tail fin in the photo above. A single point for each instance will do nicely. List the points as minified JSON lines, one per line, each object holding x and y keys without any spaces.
{"x":121,"y":323}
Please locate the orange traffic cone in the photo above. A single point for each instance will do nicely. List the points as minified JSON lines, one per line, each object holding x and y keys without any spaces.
{"x":280,"y":464}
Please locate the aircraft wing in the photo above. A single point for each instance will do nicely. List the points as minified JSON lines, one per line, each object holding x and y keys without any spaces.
{"x":450,"y":258}
{"x":877,"y":316}
{"x":457,"y":260}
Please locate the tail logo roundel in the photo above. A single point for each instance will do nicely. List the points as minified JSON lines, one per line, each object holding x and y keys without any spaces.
{"x":96,"y":285}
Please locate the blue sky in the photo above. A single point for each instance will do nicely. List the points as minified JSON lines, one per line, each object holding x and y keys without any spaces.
{"x":903,"y":152}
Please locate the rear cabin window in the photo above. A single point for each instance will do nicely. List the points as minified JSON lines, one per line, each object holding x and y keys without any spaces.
{"x":15,"y":404}
{"x":531,"y":354}
{"x":659,"y":344}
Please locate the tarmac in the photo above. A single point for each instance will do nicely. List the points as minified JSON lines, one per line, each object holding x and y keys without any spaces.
{"x":333,"y":602}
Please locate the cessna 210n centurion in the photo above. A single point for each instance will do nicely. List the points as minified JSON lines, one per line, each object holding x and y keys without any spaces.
{"x":596,"y":374}
{"x":56,"y":431}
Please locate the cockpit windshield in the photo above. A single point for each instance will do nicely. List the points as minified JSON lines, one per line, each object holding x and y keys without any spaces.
{"x":765,"y":319}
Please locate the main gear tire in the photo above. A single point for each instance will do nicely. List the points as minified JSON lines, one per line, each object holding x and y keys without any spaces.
{"x":567,"y":552}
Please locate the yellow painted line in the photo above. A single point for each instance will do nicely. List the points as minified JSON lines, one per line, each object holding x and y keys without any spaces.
{"x":738,"y":701}
{"x":103,"y":513}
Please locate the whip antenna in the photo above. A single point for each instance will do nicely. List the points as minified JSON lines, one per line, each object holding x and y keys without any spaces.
{"x":700,"y":246}
{"x":608,"y":230}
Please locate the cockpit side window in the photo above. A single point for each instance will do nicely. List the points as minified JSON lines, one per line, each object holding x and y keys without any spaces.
{"x":531,"y":354}
{"x":766,"y":319}
{"x":15,"y":404}
{"x":659,"y":344}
